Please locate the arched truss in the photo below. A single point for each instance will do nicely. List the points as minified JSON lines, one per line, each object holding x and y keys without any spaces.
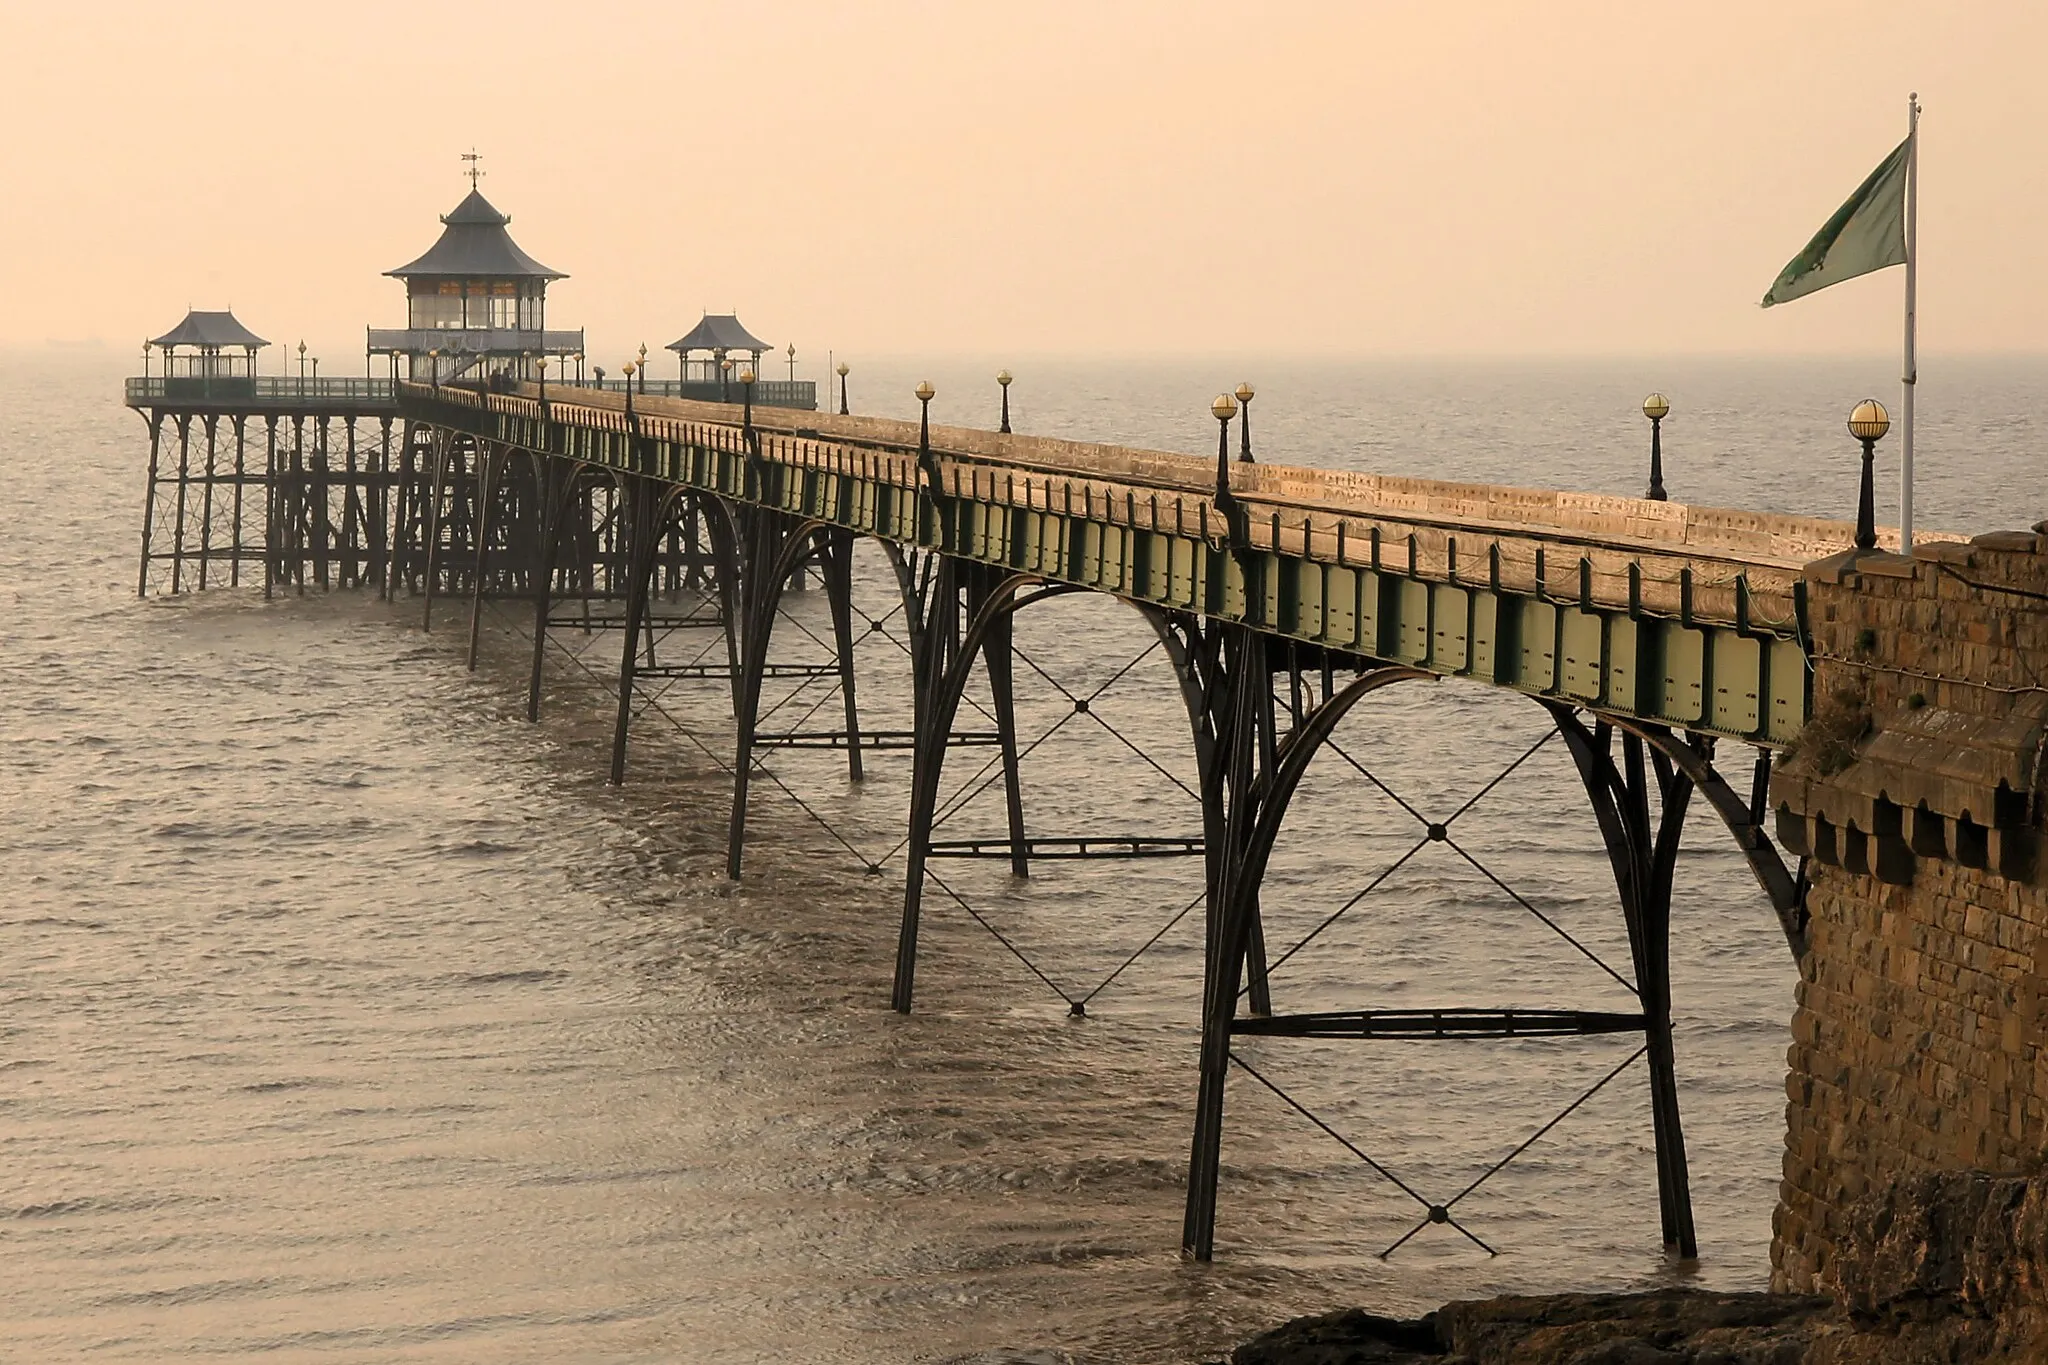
{"x":1642,"y":845}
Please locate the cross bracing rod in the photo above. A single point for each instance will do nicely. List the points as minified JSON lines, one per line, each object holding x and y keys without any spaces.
{"x":1058,"y":849}
{"x":722,"y":670}
{"x":870,"y":739}
{"x":1442,"y":1023}
{"x":655,"y":622}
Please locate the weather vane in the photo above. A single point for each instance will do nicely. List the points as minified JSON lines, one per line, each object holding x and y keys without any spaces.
{"x":474,"y":171}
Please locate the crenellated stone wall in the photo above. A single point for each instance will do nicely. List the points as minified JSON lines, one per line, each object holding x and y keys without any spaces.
{"x":1916,"y":794}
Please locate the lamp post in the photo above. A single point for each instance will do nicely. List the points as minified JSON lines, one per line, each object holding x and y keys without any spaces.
{"x":541,"y":368}
{"x":724,"y":374}
{"x":628,"y":373}
{"x":1655,"y":407}
{"x":1245,"y":393}
{"x":1224,"y":408}
{"x":1003,"y":378}
{"x":792,"y":362}
{"x":579,"y":367}
{"x":925,"y":393}
{"x":434,"y":366}
{"x":643,"y":367}
{"x":747,"y":395}
{"x":1868,"y":424}
{"x":302,"y":367}
{"x":316,"y":374}
{"x":145,"y":360}
{"x":843,"y":367}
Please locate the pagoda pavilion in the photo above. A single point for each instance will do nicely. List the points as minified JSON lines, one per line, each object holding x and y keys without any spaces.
{"x":476,"y":305}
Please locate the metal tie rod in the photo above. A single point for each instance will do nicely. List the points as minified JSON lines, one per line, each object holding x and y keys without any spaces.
{"x":655,"y":623}
{"x":1061,"y":849}
{"x":724,"y":670}
{"x":1444,"y":1023}
{"x":869,"y":739}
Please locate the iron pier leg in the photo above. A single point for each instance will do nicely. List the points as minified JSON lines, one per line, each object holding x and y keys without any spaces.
{"x":933,"y":644}
{"x":241,"y":473}
{"x":437,"y":479}
{"x":1259,"y":654}
{"x":488,"y":471}
{"x":323,"y":519}
{"x":380,"y":512}
{"x":839,"y":595}
{"x":1230,"y":905}
{"x":353,"y":520}
{"x":643,"y":507}
{"x":300,"y":513}
{"x":156,"y":427}
{"x":760,"y":589}
{"x":997,"y":659}
{"x":1654,"y":976}
{"x":212,"y":425}
{"x":184,"y":476}
{"x":551,"y":514}
{"x":273,"y":514}
{"x":1644,"y":855}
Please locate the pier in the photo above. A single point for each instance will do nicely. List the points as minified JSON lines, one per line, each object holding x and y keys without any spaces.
{"x":1669,"y":648}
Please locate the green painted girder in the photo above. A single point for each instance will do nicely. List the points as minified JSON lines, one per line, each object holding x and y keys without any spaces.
{"x":1378,"y":599}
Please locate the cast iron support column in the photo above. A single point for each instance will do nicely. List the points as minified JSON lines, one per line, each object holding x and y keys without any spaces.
{"x":997,"y":659}
{"x":178,"y":528}
{"x":839,"y":595}
{"x":1229,"y":914}
{"x":156,"y":428}
{"x":211,"y":423}
{"x":1643,"y":856}
{"x":241,"y":425}
{"x":933,"y":646}
{"x":643,"y":515}
{"x":1259,"y":659}
{"x":487,"y":469}
{"x":763,"y":574}
{"x":273,"y":508}
{"x":436,"y":480}
{"x":556,"y":489}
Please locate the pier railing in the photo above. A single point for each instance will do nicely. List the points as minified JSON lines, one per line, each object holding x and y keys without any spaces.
{"x":768,"y":393}
{"x":267,"y":389}
{"x":1685,"y":616}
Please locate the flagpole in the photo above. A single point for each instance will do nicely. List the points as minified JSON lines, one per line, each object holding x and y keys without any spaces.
{"x":1911,"y":376}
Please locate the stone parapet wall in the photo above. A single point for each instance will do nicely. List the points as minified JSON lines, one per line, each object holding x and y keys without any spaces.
{"x":1917,"y":793}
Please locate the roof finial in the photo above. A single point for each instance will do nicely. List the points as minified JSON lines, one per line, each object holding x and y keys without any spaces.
{"x":473,"y":171}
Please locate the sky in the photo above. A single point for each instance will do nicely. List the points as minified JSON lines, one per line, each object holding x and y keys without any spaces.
{"x":1374,"y":178}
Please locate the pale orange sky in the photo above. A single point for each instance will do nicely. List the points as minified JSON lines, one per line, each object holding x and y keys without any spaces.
{"x":1488,"y":177}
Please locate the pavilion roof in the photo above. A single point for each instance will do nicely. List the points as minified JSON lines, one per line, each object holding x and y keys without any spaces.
{"x":475,"y":245}
{"x":719,"y":332}
{"x":209,"y":330}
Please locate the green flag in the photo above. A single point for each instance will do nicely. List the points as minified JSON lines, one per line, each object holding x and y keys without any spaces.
{"x":1867,"y":233}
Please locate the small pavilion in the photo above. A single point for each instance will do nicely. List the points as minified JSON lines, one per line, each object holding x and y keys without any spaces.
{"x":717,"y":338}
{"x":476,"y":304}
{"x":209,"y":351}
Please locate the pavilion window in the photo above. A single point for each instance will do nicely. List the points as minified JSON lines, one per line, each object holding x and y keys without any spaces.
{"x":437,"y":310}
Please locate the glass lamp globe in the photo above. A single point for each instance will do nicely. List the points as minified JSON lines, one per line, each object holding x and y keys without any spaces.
{"x":1869,"y":421}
